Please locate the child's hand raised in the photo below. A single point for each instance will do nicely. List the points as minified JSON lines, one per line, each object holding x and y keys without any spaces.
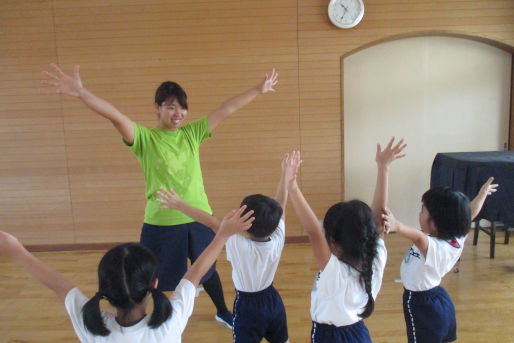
{"x":389,"y":221}
{"x":390,"y":153}
{"x":269,"y":81}
{"x":169,"y":199}
{"x":290,"y":165}
{"x":234,"y":222}
{"x":488,"y":187}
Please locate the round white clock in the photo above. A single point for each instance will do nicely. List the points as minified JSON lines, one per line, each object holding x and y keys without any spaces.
{"x":345,"y":13}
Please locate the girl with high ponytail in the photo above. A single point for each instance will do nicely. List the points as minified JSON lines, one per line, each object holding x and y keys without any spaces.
{"x":351,"y":255}
{"x":127,"y":278}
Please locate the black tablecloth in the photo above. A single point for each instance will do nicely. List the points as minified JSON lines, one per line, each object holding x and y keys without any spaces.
{"x":467,"y":172}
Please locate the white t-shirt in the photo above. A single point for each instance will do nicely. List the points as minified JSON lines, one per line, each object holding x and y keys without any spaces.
{"x":171,"y":330}
{"x":338,"y":296}
{"x":254,"y":263}
{"x":421,"y":273}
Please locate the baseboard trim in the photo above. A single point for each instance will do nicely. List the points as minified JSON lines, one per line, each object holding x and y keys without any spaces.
{"x":107,"y":246}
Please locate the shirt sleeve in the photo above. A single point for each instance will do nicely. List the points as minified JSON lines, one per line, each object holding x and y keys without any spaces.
{"x":140,"y":132}
{"x":198,"y":130}
{"x":330,"y":279}
{"x":381,"y":257}
{"x":280,"y":231}
{"x":182,"y":301}
{"x":378,"y":267}
{"x":74,"y":302}
{"x":231,"y":246}
{"x":433,"y":258}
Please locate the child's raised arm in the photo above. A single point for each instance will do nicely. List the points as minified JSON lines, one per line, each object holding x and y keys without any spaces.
{"x":476,"y":204}
{"x":55,"y":281}
{"x":72,"y":85}
{"x":171,"y":200}
{"x":417,"y":237}
{"x":233,"y":104}
{"x":289,"y":167}
{"x":384,"y":158}
{"x":308,"y":218}
{"x":231,"y":224}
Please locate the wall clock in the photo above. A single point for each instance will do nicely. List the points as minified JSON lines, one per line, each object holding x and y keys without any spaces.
{"x":345,"y":13}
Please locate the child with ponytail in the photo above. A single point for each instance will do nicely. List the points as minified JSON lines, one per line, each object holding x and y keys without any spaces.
{"x":127,"y":278}
{"x":351,"y":255}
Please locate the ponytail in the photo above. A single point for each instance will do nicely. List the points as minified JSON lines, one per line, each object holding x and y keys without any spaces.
{"x":92,"y":316}
{"x":366,"y":275}
{"x":369,"y":252}
{"x":351,"y":226}
{"x":161,"y":309}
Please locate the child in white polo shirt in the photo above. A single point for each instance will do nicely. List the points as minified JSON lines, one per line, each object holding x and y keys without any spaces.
{"x":445,"y":221}
{"x":258,"y":308}
{"x":351,"y":256}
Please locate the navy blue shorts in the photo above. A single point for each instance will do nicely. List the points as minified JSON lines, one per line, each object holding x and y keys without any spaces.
{"x":326,"y":333}
{"x":429,"y":316}
{"x":259,"y":315}
{"x":173,"y":245}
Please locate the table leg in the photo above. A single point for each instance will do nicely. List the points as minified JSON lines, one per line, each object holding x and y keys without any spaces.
{"x":477,"y":230}
{"x":493,"y":239}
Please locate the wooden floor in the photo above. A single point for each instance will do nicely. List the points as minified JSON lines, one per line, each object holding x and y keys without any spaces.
{"x":483,"y":293}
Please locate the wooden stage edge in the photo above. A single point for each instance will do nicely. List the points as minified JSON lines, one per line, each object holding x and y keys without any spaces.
{"x":106,"y":246}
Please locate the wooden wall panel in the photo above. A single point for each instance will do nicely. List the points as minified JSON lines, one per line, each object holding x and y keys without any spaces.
{"x":34,"y":187}
{"x":66,"y":177}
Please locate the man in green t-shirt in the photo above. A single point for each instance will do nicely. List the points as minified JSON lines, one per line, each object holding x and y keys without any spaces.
{"x":169,"y":157}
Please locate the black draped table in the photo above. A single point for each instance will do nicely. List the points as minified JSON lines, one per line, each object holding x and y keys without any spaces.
{"x":467,"y":172}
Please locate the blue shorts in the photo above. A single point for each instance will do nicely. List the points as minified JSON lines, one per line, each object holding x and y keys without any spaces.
{"x":259,"y":315}
{"x":326,"y":333}
{"x":173,"y":245}
{"x":429,"y":316}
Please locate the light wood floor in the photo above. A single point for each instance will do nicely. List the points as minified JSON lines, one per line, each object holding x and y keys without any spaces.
{"x":483,"y":293}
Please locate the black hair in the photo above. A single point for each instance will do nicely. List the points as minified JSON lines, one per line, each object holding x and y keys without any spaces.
{"x":125,"y":276}
{"x":267,"y":214}
{"x":169,"y":91}
{"x":351,"y":227}
{"x":450,"y":210}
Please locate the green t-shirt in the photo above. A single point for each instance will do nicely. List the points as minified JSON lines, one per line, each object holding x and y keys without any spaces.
{"x":172,"y":159}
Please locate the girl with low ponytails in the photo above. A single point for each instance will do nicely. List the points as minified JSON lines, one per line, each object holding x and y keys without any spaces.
{"x":127,"y":278}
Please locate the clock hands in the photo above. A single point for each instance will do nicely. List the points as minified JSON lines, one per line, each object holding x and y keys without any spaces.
{"x":345,"y":10}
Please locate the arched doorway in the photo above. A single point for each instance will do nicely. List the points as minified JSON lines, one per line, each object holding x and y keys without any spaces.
{"x":440,"y":93}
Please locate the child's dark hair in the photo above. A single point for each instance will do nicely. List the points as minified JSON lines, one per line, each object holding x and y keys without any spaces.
{"x":169,"y":91}
{"x":351,"y":227}
{"x":450,"y":210}
{"x":125,"y":276}
{"x":267,"y":214}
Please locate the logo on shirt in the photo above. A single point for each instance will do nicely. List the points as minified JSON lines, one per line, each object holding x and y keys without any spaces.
{"x":454,"y":243}
{"x":409,"y":253}
{"x":315,"y":286}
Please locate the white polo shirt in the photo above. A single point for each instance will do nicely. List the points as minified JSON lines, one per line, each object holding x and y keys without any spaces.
{"x":254,"y":263}
{"x":171,"y":330}
{"x":421,"y":273}
{"x":338,"y":296}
